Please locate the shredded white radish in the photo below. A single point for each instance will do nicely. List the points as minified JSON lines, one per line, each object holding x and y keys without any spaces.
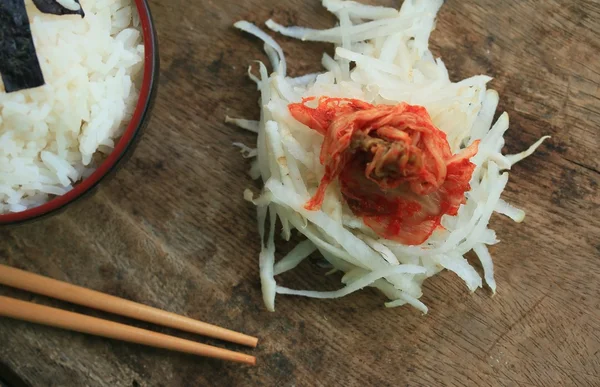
{"x":244,"y":124}
{"x":392,"y":64}
{"x":294,"y":257}
{"x":513,"y":159}
{"x":486,"y":262}
{"x":269,"y":42}
{"x":358,"y":10}
{"x":246,"y":151}
{"x":360,"y":283}
{"x":509,"y":210}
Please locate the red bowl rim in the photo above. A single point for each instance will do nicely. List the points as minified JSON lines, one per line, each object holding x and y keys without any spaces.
{"x":133,"y":128}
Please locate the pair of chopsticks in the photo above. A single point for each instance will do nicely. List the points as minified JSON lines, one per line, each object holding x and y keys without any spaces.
{"x":39,"y":314}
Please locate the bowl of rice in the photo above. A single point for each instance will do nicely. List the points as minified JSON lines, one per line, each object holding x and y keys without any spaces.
{"x":74,"y":107}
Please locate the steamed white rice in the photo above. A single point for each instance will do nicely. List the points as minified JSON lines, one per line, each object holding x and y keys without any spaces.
{"x":49,"y":135}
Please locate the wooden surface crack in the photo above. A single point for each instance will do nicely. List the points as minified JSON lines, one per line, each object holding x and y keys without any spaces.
{"x":589,"y":168}
{"x":515,"y":323}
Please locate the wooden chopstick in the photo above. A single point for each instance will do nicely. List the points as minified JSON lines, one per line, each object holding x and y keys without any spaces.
{"x":82,"y":296}
{"x":28,"y":311}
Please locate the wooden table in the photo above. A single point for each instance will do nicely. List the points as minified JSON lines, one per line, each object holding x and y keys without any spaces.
{"x":172,"y":229}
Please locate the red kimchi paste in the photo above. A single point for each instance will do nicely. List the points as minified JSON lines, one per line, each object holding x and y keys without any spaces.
{"x":394,"y":167}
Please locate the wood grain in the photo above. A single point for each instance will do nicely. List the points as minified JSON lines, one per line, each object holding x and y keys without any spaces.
{"x":171,"y":230}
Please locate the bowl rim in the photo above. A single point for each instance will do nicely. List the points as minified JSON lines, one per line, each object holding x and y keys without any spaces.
{"x":134,"y":127}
